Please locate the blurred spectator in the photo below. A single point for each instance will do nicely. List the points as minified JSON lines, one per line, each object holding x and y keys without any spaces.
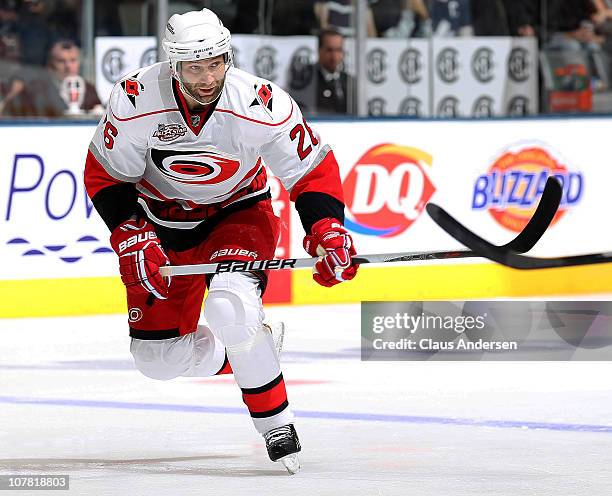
{"x":401,"y":18}
{"x":64,"y":20}
{"x":296,"y":17}
{"x":11,"y":83}
{"x":34,"y":33}
{"x":58,"y":90}
{"x":387,"y":14}
{"x":504,"y":17}
{"x":451,"y":18}
{"x":340,"y":15}
{"x":571,"y":26}
{"x":8,"y":16}
{"x":326,"y":88}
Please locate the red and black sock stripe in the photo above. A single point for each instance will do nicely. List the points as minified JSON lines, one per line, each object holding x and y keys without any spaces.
{"x":267,"y":400}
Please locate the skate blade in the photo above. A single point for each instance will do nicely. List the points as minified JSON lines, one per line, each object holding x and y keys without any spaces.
{"x":291,"y":463}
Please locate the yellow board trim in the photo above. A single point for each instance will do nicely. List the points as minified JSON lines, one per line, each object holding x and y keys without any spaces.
{"x":60,"y":297}
{"x":452,"y":282}
{"x":106,"y":295}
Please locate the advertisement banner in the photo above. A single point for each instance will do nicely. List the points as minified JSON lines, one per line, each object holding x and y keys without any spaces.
{"x":49,"y":228}
{"x":284,"y":60}
{"x":484,"y":77}
{"x":489,"y":175}
{"x":397,"y":76}
{"x":116,"y":56}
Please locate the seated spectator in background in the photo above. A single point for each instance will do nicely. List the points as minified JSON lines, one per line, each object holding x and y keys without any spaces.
{"x":401,"y":18}
{"x":327,"y":87}
{"x":571,"y":25}
{"x":505,"y":17}
{"x":295,"y":17}
{"x":340,"y":15}
{"x":34,"y":32}
{"x":602,"y":19}
{"x":11,"y":83}
{"x":58,"y":90}
{"x":8,"y":16}
{"x":64,"y":21}
{"x":451,"y":18}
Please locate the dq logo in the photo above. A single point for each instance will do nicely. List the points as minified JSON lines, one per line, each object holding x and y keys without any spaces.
{"x":387,"y":189}
{"x":510,"y":191}
{"x":194,"y":167}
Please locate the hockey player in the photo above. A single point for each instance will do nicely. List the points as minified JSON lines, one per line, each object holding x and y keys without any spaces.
{"x":177,"y":171}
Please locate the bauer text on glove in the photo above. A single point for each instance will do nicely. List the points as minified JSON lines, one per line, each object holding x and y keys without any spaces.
{"x":140,"y":257}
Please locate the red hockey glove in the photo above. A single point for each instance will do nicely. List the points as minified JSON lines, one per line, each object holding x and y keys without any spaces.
{"x":330,"y":241}
{"x":140,"y":257}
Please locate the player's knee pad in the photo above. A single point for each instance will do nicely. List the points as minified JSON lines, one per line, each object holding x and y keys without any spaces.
{"x":162,"y":360}
{"x":233,"y":309}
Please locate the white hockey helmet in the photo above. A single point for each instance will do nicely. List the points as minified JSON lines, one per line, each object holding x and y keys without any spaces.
{"x":196,"y":35}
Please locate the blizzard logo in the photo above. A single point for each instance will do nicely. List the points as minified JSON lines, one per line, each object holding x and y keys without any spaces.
{"x":288,"y":263}
{"x":522,"y":189}
{"x":233,"y":252}
{"x":138,"y":238}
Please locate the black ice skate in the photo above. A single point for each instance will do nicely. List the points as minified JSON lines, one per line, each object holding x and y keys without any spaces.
{"x":283,"y":445}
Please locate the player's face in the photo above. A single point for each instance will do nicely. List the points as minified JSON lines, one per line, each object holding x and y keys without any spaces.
{"x":203,"y":79}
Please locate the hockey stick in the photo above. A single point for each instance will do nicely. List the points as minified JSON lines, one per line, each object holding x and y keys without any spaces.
{"x":501,"y":254}
{"x":526,"y":239}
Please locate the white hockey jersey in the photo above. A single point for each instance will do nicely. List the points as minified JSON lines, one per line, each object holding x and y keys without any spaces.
{"x":149,"y":139}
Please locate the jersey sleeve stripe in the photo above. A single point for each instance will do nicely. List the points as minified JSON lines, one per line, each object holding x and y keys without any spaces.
{"x":150,"y":190}
{"x":272,"y":124}
{"x":102,"y":162}
{"x":162,"y":111}
{"x":96,"y":176}
{"x":324,"y":178}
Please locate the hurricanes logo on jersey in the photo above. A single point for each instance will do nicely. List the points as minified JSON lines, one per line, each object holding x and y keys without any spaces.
{"x":195,"y":167}
{"x":132,"y":88}
{"x":263,"y":96}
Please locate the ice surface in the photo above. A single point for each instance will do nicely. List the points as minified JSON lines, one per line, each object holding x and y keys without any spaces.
{"x":71,"y":402}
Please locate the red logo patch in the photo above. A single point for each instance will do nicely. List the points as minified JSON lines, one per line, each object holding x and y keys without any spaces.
{"x":131,"y":87}
{"x":265,"y":94}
